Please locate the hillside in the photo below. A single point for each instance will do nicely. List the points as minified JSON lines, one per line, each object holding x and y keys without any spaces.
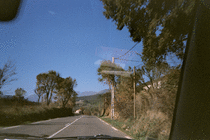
{"x":89,"y":101}
{"x":88,"y":98}
{"x":87,"y":95}
{"x":91,"y":98}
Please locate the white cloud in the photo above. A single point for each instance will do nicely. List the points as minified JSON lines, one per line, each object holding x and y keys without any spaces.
{"x":51,"y":12}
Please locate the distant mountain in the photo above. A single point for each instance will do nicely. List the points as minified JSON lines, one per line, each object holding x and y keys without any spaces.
{"x":89,"y":98}
{"x":32,"y":97}
{"x":92,"y":97}
{"x":103,"y":91}
{"x":86,"y":93}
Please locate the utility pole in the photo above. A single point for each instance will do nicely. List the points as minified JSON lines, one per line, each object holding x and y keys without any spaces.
{"x":134,"y":86}
{"x":123,"y":73}
{"x":112,"y":97}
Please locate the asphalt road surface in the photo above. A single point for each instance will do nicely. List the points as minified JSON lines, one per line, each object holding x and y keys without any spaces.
{"x":66,"y":127}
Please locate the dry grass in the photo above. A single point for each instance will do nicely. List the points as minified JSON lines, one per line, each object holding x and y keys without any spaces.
{"x":152,"y":124}
{"x":151,"y":120}
{"x":154,"y":108}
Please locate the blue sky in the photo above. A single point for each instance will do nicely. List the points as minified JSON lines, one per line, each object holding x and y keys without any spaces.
{"x":68,"y":36}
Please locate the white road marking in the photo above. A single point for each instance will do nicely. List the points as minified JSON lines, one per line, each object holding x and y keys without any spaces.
{"x":64,"y":127}
{"x":114,"y":128}
{"x":41,"y":122}
{"x":128,"y":137}
{"x":11,"y":127}
{"x":106,"y":123}
{"x":66,"y":124}
{"x":103,"y":121}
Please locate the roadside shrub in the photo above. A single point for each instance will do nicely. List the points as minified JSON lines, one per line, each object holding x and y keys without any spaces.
{"x":87,"y":112}
{"x":150,"y":124}
{"x":14,"y":117}
{"x":124,"y":108}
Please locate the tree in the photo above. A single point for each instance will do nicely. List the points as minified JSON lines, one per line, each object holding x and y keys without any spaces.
{"x":19,"y":92}
{"x":65,"y":90}
{"x":108,"y":78}
{"x":124,"y":87}
{"x":6,"y":73}
{"x":46,"y":83}
{"x":38,"y":92}
{"x":166,"y":94}
{"x":153,"y":72}
{"x":143,"y":18}
{"x":72,"y":101}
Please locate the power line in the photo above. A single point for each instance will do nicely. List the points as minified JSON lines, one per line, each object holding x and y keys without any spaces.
{"x":128,"y":50}
{"x":138,"y":54}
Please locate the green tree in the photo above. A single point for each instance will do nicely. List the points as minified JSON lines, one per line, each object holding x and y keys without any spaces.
{"x":19,"y":92}
{"x":65,"y":90}
{"x":143,"y":18}
{"x":108,"y":78}
{"x":124,"y":88}
{"x":153,"y":72}
{"x":72,"y":101}
{"x":167,"y":93}
{"x":46,"y":84}
{"x":6,"y":74}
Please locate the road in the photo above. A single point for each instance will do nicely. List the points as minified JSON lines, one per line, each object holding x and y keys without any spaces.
{"x":66,"y":127}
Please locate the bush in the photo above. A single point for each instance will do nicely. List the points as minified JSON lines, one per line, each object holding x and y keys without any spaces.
{"x":87,"y":112}
{"x":124,"y":108}
{"x":150,"y":124}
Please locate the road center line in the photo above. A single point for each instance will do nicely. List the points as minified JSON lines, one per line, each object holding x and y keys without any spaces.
{"x":68,"y":124}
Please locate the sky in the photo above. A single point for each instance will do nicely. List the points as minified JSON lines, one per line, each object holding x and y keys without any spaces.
{"x":71,"y":37}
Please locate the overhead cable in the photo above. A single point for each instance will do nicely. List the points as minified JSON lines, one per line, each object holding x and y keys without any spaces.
{"x":128,"y":50}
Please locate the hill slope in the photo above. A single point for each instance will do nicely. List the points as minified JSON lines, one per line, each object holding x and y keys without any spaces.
{"x":91,"y":98}
{"x":88,"y":95}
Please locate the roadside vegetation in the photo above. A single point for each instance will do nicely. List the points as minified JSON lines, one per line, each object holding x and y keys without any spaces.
{"x":155,"y":100}
{"x":15,"y":111}
{"x":56,"y":98}
{"x":90,"y":105}
{"x":154,"y":104}
{"x":163,"y":27}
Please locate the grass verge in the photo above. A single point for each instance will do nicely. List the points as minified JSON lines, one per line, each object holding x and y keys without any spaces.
{"x":120,"y":125}
{"x":152,"y":124}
